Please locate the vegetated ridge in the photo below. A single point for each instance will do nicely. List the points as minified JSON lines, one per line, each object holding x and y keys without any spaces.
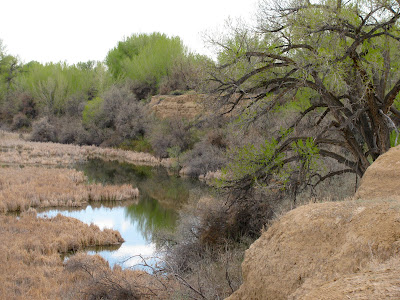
{"x":334,"y":250}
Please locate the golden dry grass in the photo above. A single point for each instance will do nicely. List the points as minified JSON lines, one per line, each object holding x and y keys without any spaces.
{"x":15,"y":150}
{"x":30,"y":262}
{"x":21,"y":188}
{"x":29,"y":252}
{"x":31,"y":266}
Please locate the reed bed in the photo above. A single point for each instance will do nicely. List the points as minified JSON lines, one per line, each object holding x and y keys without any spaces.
{"x":31,"y":266}
{"x":15,"y":150}
{"x":22,"y":188}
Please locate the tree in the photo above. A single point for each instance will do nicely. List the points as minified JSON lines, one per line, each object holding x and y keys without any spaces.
{"x":340,"y":61}
{"x":9,"y":68}
{"x":145,"y":59}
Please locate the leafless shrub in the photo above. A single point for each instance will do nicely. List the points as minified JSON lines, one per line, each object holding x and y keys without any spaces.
{"x":74,"y":105}
{"x":199,"y":255}
{"x":43,"y":131}
{"x":170,"y":133}
{"x":97,"y":281}
{"x":206,"y":155}
{"x":132,"y":120}
{"x":20,"y":120}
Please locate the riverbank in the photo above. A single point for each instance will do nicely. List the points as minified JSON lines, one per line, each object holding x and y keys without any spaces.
{"x":31,"y":267}
{"x":39,"y":175}
{"x":16,"y":150}
{"x":22,"y":188}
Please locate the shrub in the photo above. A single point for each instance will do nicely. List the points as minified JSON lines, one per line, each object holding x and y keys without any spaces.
{"x":92,"y":112}
{"x":70,"y":131}
{"x":204,"y":157}
{"x":168,"y":134}
{"x":43,"y":131}
{"x":20,"y":120}
{"x":27,"y":105}
{"x":75,"y":105}
{"x":131,"y":120}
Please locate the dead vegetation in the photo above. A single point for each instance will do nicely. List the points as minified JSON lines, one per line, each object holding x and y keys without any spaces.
{"x":30,"y":248}
{"x":31,"y":267}
{"x":15,"y":150}
{"x":21,"y":188}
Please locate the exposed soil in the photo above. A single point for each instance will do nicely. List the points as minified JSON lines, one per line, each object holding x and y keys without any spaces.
{"x":333,"y":250}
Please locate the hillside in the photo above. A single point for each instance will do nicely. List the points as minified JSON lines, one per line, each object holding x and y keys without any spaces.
{"x":334,"y":250}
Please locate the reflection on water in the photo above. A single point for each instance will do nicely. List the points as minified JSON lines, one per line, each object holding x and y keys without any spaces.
{"x":161,"y":196}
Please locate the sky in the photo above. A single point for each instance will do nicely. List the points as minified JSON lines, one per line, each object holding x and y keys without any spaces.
{"x":82,"y":30}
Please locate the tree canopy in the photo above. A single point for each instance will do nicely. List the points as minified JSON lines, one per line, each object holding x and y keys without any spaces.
{"x":145,"y":58}
{"x":337,"y":64}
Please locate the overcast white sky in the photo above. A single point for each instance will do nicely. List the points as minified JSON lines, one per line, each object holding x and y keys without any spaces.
{"x":81,"y":30}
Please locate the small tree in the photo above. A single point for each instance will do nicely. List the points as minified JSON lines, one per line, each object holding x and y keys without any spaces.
{"x":336,"y":64}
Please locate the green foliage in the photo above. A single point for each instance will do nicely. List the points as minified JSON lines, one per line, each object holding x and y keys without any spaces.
{"x":139,"y":145}
{"x":92,"y":111}
{"x":246,"y":161}
{"x":308,"y":153}
{"x":145,"y":58}
{"x":53,"y":84}
{"x":394,"y":138}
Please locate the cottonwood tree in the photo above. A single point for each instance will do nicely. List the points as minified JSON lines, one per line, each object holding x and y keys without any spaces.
{"x":340,"y":60}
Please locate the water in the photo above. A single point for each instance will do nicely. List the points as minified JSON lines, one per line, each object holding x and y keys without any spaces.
{"x":161,"y":197}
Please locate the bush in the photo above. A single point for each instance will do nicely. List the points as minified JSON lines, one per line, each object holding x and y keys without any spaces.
{"x":145,"y":59}
{"x":70,"y":131}
{"x":27,"y":105}
{"x":20,"y":120}
{"x":92,"y":113}
{"x":131,"y":121}
{"x":203,"y":158}
{"x":168,"y":134}
{"x":43,"y":131}
{"x":200,"y":253}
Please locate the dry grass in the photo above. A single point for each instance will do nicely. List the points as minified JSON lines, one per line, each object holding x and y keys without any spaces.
{"x":30,"y":262}
{"x":21,"y":188}
{"x":30,"y":248}
{"x":15,"y":150}
{"x":31,"y":267}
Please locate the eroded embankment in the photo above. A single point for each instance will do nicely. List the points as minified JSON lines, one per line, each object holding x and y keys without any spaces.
{"x":336,"y":250}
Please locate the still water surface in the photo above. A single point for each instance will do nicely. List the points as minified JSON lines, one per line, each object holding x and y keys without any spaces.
{"x":161,"y":196}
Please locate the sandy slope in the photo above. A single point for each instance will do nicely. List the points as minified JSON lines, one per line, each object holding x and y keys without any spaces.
{"x":340,"y":250}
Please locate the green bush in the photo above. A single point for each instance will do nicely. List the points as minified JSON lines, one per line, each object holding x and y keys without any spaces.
{"x":92,"y":111}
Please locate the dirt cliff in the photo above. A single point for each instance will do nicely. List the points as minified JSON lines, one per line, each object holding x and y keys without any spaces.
{"x":334,"y":250}
{"x":186,"y":106}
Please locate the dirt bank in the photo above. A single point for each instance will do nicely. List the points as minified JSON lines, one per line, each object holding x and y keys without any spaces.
{"x":382,"y":178}
{"x":186,"y":106}
{"x":334,"y":250}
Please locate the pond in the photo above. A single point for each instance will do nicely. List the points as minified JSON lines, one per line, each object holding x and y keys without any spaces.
{"x":161,"y":197}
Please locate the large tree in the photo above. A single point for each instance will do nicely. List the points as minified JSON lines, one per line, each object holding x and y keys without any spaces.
{"x":340,"y":60}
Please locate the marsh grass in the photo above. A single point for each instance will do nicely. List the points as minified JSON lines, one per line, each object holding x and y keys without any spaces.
{"x":14,"y":150}
{"x":21,"y":188}
{"x":31,"y":267}
{"x":30,"y":252}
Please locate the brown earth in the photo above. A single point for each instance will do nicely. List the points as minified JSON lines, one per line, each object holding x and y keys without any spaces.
{"x":382,"y":178}
{"x":333,"y":250}
{"x":186,"y":106}
{"x":191,"y":105}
